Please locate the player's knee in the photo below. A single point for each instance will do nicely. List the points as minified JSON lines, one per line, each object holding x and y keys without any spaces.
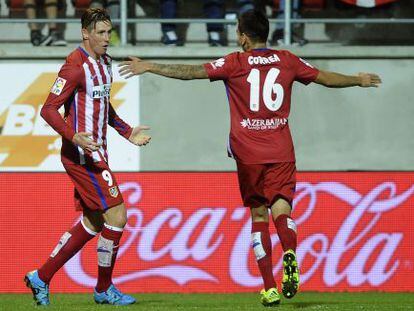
{"x":116,"y":217}
{"x":121,"y":221}
{"x":281,"y":207}
{"x":276,"y":213}
{"x":260,"y":214}
{"x":92,"y":223}
{"x":118,"y":221}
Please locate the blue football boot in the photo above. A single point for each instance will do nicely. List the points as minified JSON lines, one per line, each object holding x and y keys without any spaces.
{"x":39,"y":288}
{"x":113,"y":296}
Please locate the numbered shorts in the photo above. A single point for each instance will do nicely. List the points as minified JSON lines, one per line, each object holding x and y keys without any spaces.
{"x":95,"y":186}
{"x":263,"y":184}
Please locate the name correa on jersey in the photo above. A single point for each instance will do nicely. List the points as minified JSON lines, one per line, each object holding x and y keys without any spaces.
{"x":256,"y":60}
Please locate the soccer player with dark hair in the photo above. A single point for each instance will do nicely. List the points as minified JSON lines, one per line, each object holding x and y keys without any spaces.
{"x":259,"y":85}
{"x":83,"y":86}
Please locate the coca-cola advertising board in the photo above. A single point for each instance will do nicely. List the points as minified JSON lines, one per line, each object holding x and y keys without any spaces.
{"x":188,"y":232}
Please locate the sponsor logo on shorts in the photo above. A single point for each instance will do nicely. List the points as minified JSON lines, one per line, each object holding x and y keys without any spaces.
{"x":58,"y":86}
{"x":113,"y":191}
{"x":263,"y":124}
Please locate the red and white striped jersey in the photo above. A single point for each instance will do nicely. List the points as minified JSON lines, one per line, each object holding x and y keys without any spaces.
{"x":83,"y":86}
{"x":368,"y":3}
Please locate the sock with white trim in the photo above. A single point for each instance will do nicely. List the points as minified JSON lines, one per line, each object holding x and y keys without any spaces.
{"x":262,"y":248}
{"x":108,"y":245}
{"x":286,"y":229}
{"x":69,"y":244}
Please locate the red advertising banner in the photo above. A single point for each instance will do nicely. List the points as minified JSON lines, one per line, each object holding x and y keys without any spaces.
{"x":188,"y":232}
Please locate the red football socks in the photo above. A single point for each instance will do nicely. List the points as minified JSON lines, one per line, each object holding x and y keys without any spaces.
{"x":108,"y":245}
{"x":69,"y":244}
{"x":286,"y":229}
{"x":262,"y":247}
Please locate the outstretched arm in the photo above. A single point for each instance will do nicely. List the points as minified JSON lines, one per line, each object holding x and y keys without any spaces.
{"x":136,"y":66}
{"x":337,"y":80}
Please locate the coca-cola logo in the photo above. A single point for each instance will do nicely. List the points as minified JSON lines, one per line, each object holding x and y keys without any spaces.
{"x":323,"y":252}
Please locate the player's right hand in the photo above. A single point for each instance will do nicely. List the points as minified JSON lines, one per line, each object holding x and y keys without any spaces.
{"x":82,"y":140}
{"x":132,"y":67}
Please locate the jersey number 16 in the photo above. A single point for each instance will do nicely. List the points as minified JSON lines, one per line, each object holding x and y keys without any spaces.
{"x":270,"y":87}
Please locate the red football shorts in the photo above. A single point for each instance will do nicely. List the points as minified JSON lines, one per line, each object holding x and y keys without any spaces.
{"x":95,"y":186}
{"x":263,"y":184}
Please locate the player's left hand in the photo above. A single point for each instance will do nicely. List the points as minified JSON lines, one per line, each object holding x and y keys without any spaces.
{"x":369,"y":79}
{"x":137,"y":137}
{"x":132,"y":67}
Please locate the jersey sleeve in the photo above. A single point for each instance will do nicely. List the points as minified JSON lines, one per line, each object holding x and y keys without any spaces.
{"x":62,"y":90}
{"x":222,"y":68}
{"x":304,"y":72}
{"x":118,"y":124}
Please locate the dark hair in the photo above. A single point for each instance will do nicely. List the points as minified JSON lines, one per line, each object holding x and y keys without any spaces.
{"x":92,"y":16}
{"x":255,"y":25}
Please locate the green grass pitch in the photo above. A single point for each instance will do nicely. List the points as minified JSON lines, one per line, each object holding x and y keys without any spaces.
{"x":246,"y":301}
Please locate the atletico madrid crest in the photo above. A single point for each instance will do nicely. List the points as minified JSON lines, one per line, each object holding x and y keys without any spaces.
{"x":113,"y":191}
